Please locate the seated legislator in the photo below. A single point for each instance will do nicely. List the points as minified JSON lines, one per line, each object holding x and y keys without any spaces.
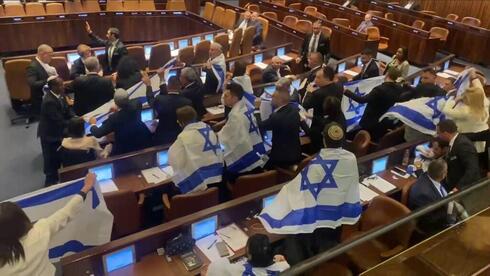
{"x":192,"y":89}
{"x":130,"y":133}
{"x":127,"y":74}
{"x":195,"y":157}
{"x":378,"y":101}
{"x":215,"y":70}
{"x":165,"y":105}
{"x":92,"y":90}
{"x":257,"y":39}
{"x":240,"y":136}
{"x":315,"y":63}
{"x":244,"y":24}
{"x":366,"y":23}
{"x":328,"y":185}
{"x":274,"y":71}
{"x":369,"y":66}
{"x":284,"y":123}
{"x":260,"y":261}
{"x":438,"y":150}
{"x":78,"y":69}
{"x":399,"y":62}
{"x":77,"y":140}
{"x":426,"y":88}
{"x":315,"y":42}
{"x":37,"y":74}
{"x":114,"y":48}
{"x":25,"y":245}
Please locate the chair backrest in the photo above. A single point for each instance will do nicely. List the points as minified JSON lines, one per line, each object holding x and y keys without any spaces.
{"x":360,"y":143}
{"x":147,"y":5}
{"x":73,"y":6}
{"x":91,"y":6}
{"x":2,"y":12}
{"x":223,"y":40}
{"x":326,"y":31}
{"x":253,"y":8}
{"x":126,"y":211}
{"x":208,"y":11}
{"x":15,"y":77}
{"x":321,"y":15}
{"x":176,"y":5}
{"x":201,"y":52}
{"x":183,"y":205}
{"x":235,"y":43}
{"x":70,"y":157}
{"x":428,"y":12}
{"x":419,"y":24}
{"x":279,"y":2}
{"x":452,"y":16}
{"x":272,"y":15}
{"x":472,"y":21}
{"x":376,"y":13}
{"x":54,"y":8}
{"x":304,"y":26}
{"x":296,"y":6}
{"x":114,"y":5}
{"x":389,"y":16}
{"x":186,"y":55}
{"x":342,"y":21}
{"x":138,"y":55}
{"x":438,"y":32}
{"x":131,"y":5}
{"x":290,"y":21}
{"x":311,"y":10}
{"x":392,"y":138}
{"x":60,"y":64}
{"x":218,"y":16}
{"x":34,"y":9}
{"x":247,"y":40}
{"x":14,"y":9}
{"x":252,"y":183}
{"x":159,"y":55}
{"x":373,"y":33}
{"x":265,"y":27}
{"x":229,"y":19}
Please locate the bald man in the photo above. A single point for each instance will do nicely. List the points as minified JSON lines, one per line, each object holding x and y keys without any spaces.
{"x":37,"y":74}
{"x":362,"y":28}
{"x":275,"y":70}
{"x":215,"y":70}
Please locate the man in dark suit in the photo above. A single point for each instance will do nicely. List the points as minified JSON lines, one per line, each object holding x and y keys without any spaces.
{"x":284,"y":123}
{"x":369,"y":68}
{"x":427,"y":190}
{"x":275,"y":70}
{"x":91,"y":90}
{"x":379,"y":100}
{"x":192,"y":89}
{"x":130,"y":133}
{"x":323,"y":87}
{"x":257,"y":40}
{"x":315,"y":42}
{"x":165,"y":106}
{"x":462,"y":159}
{"x":315,"y":63}
{"x":77,"y":69}
{"x":55,"y":114}
{"x":244,"y":24}
{"x":426,"y":88}
{"x":114,"y":48}
{"x":37,"y":74}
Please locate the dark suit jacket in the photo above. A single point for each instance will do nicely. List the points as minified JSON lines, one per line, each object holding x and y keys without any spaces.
{"x":118,"y":53}
{"x":285,"y":126}
{"x":129,"y":132}
{"x":310,"y":77}
{"x":323,"y":47}
{"x":315,"y":99}
{"x":421,"y":90}
{"x":36,"y":78}
{"x":371,"y":71}
{"x":91,"y":91}
{"x":55,"y":114}
{"x":166,"y":105}
{"x":270,"y":74}
{"x":77,"y":69}
{"x":257,"y":40}
{"x":128,"y":82}
{"x":424,"y":193}
{"x":315,"y":133}
{"x":462,"y":164}
{"x":194,"y":93}
{"x":210,"y":83}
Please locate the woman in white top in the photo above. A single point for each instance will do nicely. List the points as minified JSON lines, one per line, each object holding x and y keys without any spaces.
{"x":77,"y":139}
{"x":24,"y":245}
{"x":260,"y":261}
{"x":400,"y":62}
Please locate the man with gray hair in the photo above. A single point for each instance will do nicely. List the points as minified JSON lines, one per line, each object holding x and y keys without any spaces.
{"x":192,"y":89}
{"x":275,"y":70}
{"x":215,"y":70}
{"x":78,"y":67}
{"x":91,"y":90}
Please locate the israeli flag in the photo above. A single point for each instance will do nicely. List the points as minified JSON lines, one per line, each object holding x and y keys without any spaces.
{"x":463,"y":81}
{"x":196,"y":158}
{"x":324,"y":195}
{"x":91,"y":226}
{"x":246,"y":83}
{"x":422,"y":114}
{"x":223,"y":267}
{"x":241,"y":139}
{"x":218,"y":66}
{"x":353,"y":110}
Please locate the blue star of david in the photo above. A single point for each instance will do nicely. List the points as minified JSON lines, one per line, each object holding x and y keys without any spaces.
{"x":355,"y":107}
{"x":208,"y":145}
{"x":253,"y":127}
{"x":327,"y":181}
{"x":433,"y":105}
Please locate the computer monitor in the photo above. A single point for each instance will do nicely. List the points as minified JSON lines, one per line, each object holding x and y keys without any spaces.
{"x":183,"y":43}
{"x":104,"y":172}
{"x":146,"y":115}
{"x":359,"y":61}
{"x":71,"y":57}
{"x":99,"y":52}
{"x":446,"y":65}
{"x":266,"y":201}
{"x":270,"y":89}
{"x":341,"y":67}
{"x":171,"y":73}
{"x":258,"y":58}
{"x":196,"y":40}
{"x":208,"y":37}
{"x":172,"y":46}
{"x":119,"y":259}
{"x":416,"y":81}
{"x":296,"y":83}
{"x":379,"y":165}
{"x":162,"y":158}
{"x":231,"y":64}
{"x":148,"y":51}
{"x":267,"y":136}
{"x":204,"y":228}
{"x":281,"y":51}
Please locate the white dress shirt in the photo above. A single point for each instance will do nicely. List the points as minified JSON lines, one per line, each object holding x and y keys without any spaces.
{"x":50,"y":70}
{"x":313,"y":46}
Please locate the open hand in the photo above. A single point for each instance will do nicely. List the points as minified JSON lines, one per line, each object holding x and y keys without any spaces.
{"x":87,"y":27}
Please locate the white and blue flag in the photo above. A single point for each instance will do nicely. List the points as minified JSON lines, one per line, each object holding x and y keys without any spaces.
{"x":223,"y":267}
{"x":246,"y":83}
{"x":196,"y":158}
{"x":241,"y":139}
{"x":92,"y":226}
{"x":218,"y":67}
{"x":463,"y":81}
{"x":353,"y":110}
{"x":324,"y":195}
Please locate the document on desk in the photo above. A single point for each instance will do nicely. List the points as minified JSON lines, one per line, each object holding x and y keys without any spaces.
{"x":215,"y":110}
{"x":451,"y":72}
{"x":350,"y":72}
{"x":168,"y":170}
{"x":444,"y":75}
{"x":366,"y":193}
{"x":286,"y":58}
{"x":207,"y":245}
{"x":154,"y":175}
{"x":261,"y":65}
{"x":107,"y":186}
{"x":233,"y":236}
{"x":379,"y":183}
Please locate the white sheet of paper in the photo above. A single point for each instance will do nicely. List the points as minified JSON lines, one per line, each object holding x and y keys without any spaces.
{"x":169,"y":171}
{"x":350,"y":72}
{"x":233,"y":236}
{"x":444,"y":75}
{"x":215,"y":110}
{"x":286,"y":58}
{"x":451,"y":72}
{"x":212,"y":253}
{"x":174,"y":53}
{"x":154,"y":175}
{"x":366,"y":193}
{"x":261,"y":65}
{"x":107,"y":186}
{"x":379,"y":183}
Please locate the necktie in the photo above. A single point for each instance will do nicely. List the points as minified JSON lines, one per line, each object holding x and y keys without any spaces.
{"x":443,"y":191}
{"x":313,"y":42}
{"x":110,"y":52}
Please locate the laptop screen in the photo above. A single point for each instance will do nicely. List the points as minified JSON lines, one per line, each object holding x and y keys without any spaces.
{"x":379,"y":165}
{"x":416,"y":81}
{"x":147,"y":51}
{"x":204,"y":227}
{"x":99,"y":52}
{"x":359,"y":61}
{"x":258,"y":58}
{"x":119,"y":259}
{"x":104,"y":172}
{"x":162,"y":158}
{"x":446,"y":65}
{"x":171,"y":73}
{"x":146,"y":115}
{"x":341,"y":67}
{"x":71,"y":57}
{"x":266,"y":201}
{"x":270,"y":89}
{"x":208,"y":37}
{"x":281,"y":51}
{"x":296,"y":83}
{"x":196,"y":40}
{"x":183,"y":43}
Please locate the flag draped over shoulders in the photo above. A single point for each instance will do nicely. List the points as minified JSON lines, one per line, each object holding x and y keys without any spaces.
{"x":218,"y":67}
{"x":246,"y":83}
